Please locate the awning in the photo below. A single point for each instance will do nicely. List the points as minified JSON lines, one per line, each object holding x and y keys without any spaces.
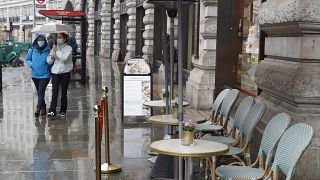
{"x":63,"y":15}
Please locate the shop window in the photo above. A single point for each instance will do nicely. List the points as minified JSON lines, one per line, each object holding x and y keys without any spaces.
{"x":249,"y":58}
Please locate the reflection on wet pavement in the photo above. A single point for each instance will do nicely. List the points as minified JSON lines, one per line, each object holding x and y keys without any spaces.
{"x":63,"y":148}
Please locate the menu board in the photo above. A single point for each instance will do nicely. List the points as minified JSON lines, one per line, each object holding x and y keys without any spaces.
{"x":136,"y":87}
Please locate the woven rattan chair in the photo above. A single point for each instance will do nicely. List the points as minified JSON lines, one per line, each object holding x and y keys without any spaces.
{"x":216,"y":107}
{"x":223,"y":116}
{"x":231,"y":138}
{"x":290,"y":148}
{"x":246,"y":129}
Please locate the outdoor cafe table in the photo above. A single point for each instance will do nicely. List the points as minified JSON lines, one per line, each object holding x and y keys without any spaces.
{"x":168,"y":119}
{"x":161,"y":103}
{"x":200,"y":148}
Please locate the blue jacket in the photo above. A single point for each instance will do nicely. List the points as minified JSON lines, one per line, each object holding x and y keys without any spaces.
{"x":36,"y":60}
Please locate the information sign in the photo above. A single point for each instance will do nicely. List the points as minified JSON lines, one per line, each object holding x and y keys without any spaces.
{"x":137,"y":87}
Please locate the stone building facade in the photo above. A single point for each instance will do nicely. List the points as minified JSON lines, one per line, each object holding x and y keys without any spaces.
{"x":289,"y":74}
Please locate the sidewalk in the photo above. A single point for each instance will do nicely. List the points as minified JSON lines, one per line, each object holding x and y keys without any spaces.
{"x":64,"y":148}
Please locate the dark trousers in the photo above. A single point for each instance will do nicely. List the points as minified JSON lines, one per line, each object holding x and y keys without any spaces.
{"x":41,"y":85}
{"x":56,"y":80}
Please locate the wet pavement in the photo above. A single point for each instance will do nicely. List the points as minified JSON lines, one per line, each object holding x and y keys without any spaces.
{"x":63,"y":148}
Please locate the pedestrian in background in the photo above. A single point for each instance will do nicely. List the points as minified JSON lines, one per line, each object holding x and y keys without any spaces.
{"x":61,"y":58}
{"x":36,"y":60}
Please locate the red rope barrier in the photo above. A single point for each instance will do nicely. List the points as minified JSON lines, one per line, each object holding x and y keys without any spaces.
{"x":101,"y":117}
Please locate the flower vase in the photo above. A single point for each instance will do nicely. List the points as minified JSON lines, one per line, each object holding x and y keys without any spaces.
{"x":187,"y":138}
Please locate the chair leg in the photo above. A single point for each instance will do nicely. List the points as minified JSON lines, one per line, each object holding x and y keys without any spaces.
{"x":213,"y":168}
{"x":206,"y":169}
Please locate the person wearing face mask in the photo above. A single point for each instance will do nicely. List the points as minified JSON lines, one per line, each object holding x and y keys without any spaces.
{"x":61,"y":58}
{"x":40,"y":70}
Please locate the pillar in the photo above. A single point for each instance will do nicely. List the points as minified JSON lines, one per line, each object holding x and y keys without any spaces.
{"x":289,"y":74}
{"x":201,"y":82}
{"x":78,"y":5}
{"x":116,"y":27}
{"x":148,"y":34}
{"x":90,"y":49}
{"x":131,"y":4}
{"x":106,"y":29}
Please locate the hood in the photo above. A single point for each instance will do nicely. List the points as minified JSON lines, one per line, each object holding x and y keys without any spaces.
{"x":35,"y":41}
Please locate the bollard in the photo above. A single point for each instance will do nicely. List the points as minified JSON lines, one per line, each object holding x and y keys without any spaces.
{"x":107,"y":167}
{"x":97,"y":110}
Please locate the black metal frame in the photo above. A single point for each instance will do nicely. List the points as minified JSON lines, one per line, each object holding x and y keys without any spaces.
{"x":122,"y":85}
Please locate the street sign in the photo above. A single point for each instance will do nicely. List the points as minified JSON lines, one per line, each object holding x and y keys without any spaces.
{"x":137,"y":87}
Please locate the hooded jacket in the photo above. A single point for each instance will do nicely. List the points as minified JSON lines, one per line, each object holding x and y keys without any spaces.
{"x":36,"y":60}
{"x":61,"y":58}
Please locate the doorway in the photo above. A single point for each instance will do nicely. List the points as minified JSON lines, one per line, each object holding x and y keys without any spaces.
{"x":123,"y":34}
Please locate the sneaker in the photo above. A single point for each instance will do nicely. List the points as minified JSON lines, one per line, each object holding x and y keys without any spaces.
{"x":51,"y":114}
{"x":62,"y":114}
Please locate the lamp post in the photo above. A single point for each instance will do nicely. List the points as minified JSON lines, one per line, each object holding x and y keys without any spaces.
{"x":176,"y":6}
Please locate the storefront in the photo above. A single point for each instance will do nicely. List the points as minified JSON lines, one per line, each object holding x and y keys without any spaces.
{"x":238,"y":46}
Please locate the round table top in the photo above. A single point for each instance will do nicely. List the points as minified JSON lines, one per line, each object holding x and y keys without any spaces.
{"x":200,"y":148}
{"x":167,"y":119}
{"x":161,"y":103}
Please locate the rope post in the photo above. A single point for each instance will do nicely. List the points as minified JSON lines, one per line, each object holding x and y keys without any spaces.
{"x":97,"y":110}
{"x":107,"y":167}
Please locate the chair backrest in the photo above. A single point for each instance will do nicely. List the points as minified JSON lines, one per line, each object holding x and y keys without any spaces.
{"x":228,"y":103}
{"x":242,"y":111}
{"x":271,"y":135}
{"x":251,"y":120}
{"x":218,"y":101}
{"x":290,"y":148}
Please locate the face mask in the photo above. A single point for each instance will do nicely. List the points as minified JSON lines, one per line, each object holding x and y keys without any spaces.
{"x":40,"y":43}
{"x":60,"y":41}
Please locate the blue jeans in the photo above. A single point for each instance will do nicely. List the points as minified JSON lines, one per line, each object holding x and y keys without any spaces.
{"x":41,"y":85}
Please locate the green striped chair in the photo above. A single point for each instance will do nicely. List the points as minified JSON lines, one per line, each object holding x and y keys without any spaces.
{"x":290,"y":148}
{"x":216,"y":107}
{"x":223,"y":116}
{"x":231,"y":138}
{"x":246,"y":129}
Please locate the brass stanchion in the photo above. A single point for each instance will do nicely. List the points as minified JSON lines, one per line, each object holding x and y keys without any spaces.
{"x":97,"y":110}
{"x":107,"y":167}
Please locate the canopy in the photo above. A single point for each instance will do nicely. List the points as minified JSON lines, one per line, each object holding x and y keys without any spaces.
{"x":63,"y":14}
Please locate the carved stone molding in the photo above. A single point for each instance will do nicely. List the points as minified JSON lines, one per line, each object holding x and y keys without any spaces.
{"x":275,"y":11}
{"x":210,"y":2}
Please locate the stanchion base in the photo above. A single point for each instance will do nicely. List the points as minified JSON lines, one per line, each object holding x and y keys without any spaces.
{"x":110,"y":168}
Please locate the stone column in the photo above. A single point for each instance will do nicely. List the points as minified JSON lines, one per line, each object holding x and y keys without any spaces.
{"x":105,"y":28}
{"x":200,"y":85}
{"x":148,"y":35}
{"x":131,"y":4}
{"x":289,"y":74}
{"x":78,"y":5}
{"x":90,"y":16}
{"x":116,"y":27}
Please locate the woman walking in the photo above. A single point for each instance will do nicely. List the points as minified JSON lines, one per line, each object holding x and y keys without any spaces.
{"x":61,"y":58}
{"x":36,"y":60}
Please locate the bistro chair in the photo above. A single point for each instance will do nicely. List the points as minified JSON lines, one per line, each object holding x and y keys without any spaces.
{"x":246,"y":129}
{"x":216,"y":106}
{"x":223,"y":116}
{"x":231,"y":138}
{"x":215,"y":109}
{"x":291,"y":146}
